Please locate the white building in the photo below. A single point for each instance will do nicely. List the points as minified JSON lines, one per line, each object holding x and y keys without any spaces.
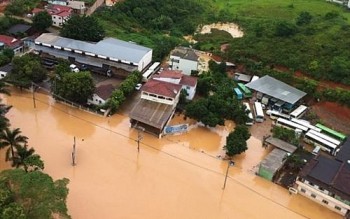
{"x":101,"y":94}
{"x":188,"y":83}
{"x":107,"y":52}
{"x":325,"y":180}
{"x":161,"y":92}
{"x":59,"y":13}
{"x":184,"y":59}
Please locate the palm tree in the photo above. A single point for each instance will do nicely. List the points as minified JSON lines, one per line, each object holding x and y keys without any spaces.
{"x":22,"y":152}
{"x":11,"y":139}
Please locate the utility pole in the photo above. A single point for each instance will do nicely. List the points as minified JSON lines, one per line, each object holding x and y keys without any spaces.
{"x":230,"y":162}
{"x":139,"y":136}
{"x":73,"y":153}
{"x":33,"y":89}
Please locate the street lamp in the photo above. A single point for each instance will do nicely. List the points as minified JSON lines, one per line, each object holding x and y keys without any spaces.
{"x":230,"y":163}
{"x":139,"y":136}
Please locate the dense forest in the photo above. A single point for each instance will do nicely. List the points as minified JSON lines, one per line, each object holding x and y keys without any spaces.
{"x":310,"y":36}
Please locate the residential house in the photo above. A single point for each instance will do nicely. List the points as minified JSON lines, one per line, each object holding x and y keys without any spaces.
{"x":59,"y":13}
{"x":184,"y":59}
{"x":156,"y":106}
{"x":12,"y":43}
{"x":188,"y":83}
{"x":77,"y":6}
{"x":101,"y":94}
{"x":326,"y":180}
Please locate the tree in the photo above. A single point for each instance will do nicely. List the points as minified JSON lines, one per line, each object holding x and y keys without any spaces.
{"x":11,"y":139}
{"x":42,"y":20}
{"x":236,"y":141}
{"x":32,"y":195}
{"x":285,"y":29}
{"x":26,"y":69}
{"x":25,"y":157}
{"x":85,"y":28}
{"x":76,"y":87}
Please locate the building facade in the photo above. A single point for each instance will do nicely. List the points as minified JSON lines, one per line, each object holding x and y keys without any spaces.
{"x":184,"y":59}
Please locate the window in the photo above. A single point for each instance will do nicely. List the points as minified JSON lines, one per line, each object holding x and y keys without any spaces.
{"x":338,"y":208}
{"x":325,"y":202}
{"x":313,"y":195}
{"x":302,"y":190}
{"x":54,"y":22}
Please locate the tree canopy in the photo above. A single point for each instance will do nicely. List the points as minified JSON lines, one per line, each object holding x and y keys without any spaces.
{"x":236,"y":141}
{"x":85,"y":28}
{"x":42,"y":20}
{"x":32,"y":195}
{"x":76,"y":87}
{"x":26,"y":69}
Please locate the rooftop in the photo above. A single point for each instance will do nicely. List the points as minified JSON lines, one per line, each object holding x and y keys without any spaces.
{"x":18,"y":28}
{"x":185,"y":53}
{"x":6,"y":68}
{"x":151,"y":113}
{"x":104,"y":91}
{"x":277,"y":89}
{"x":177,"y":74}
{"x":9,"y":41}
{"x":162,"y":88}
{"x":188,"y":80}
{"x":108,"y":47}
{"x":242,"y":77}
{"x":274,"y":160}
{"x":281,"y":144}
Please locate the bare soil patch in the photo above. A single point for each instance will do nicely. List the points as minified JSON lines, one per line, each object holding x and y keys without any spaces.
{"x":333,"y":115}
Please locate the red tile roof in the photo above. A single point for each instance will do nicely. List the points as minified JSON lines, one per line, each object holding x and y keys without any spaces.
{"x":175,"y":74}
{"x":37,"y":10}
{"x":9,"y":41}
{"x":64,"y":14}
{"x":188,"y":80}
{"x":162,"y":88}
{"x":104,"y":91}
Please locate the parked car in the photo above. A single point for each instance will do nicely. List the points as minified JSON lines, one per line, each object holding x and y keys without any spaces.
{"x":138,"y":86}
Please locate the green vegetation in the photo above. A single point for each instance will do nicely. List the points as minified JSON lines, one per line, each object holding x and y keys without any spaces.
{"x":21,"y":7}
{"x":42,"y":20}
{"x":218,"y":102}
{"x":75,"y":86}
{"x":85,"y":28}
{"x":236,"y":141}
{"x":285,"y":135}
{"x":32,"y":195}
{"x":26,"y":69}
{"x":119,"y":95}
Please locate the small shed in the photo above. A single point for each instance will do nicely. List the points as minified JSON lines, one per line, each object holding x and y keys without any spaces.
{"x":242,"y":77}
{"x":272,"y":163}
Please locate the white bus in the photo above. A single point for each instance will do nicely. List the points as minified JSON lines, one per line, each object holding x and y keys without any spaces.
{"x":320,"y":142}
{"x":147,"y":75}
{"x":259,"y":113}
{"x":155,"y":66}
{"x":250,"y":114}
{"x":326,"y":137}
{"x":275,"y":115}
{"x":306,"y":124}
{"x":290,"y":125}
{"x":298,"y":112}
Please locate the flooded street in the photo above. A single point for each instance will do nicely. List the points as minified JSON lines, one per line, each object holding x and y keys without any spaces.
{"x":179,"y":176}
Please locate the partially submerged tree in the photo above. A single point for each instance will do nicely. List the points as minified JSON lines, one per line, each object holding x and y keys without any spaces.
{"x":236,"y":141}
{"x":11,"y":139}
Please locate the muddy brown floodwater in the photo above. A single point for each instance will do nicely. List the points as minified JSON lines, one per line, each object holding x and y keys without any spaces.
{"x":174,"y":177}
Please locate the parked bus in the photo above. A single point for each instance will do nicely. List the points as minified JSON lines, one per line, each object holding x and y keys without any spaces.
{"x":298,"y":112}
{"x":259,"y":113}
{"x":275,"y":114}
{"x":326,"y":137}
{"x":250,"y":114}
{"x":331,"y":132}
{"x":155,"y":66}
{"x":238,"y":93}
{"x":290,"y":125}
{"x":320,"y":142}
{"x":247,"y":93}
{"x":147,"y":75}
{"x":306,"y":124}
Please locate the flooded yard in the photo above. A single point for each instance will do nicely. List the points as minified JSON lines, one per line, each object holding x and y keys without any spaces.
{"x":178,"y":176}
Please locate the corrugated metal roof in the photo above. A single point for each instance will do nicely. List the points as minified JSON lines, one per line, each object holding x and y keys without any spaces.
{"x":277,"y":89}
{"x":108,"y":47}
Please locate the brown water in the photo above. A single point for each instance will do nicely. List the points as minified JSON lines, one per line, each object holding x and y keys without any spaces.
{"x":175,"y":177}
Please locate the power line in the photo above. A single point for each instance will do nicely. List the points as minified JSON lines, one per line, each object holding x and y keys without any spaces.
{"x":169,"y":154}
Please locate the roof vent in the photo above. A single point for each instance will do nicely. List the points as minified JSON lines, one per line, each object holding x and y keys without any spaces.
{"x":175,"y":91}
{"x":348,"y":161}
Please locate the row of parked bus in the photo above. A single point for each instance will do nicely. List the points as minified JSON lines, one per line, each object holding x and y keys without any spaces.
{"x":318,"y":135}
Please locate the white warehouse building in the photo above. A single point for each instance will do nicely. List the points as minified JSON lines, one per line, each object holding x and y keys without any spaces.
{"x":109,"y":51}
